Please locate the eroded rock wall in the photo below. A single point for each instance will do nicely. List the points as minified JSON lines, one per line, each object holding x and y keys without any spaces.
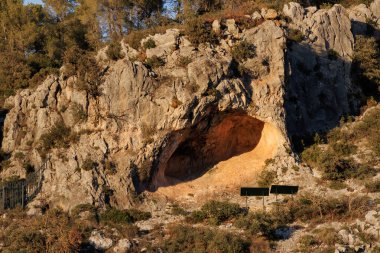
{"x":137,"y":123}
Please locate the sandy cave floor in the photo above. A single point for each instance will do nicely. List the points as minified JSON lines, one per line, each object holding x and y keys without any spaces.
{"x":229,"y":175}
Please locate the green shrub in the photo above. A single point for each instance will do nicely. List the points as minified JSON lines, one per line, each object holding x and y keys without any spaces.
{"x":365,"y":67}
{"x":114,"y":51}
{"x":200,"y":31}
{"x":57,"y":137}
{"x":84,"y":66}
{"x":307,"y":242}
{"x":79,"y":114}
{"x":155,"y":62}
{"x":187,"y":239}
{"x":150,"y":43}
{"x":295,"y":35}
{"x":243,"y":51}
{"x":328,"y":236}
{"x":177,"y":210}
{"x":373,"y":186}
{"x":89,"y":164}
{"x":134,"y":38}
{"x":266,"y":178}
{"x":265,"y":223}
{"x":77,"y":210}
{"x":196,"y":217}
{"x":333,"y":55}
{"x":183,"y":61}
{"x":221,"y":211}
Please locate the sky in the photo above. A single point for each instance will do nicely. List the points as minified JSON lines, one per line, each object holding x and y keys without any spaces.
{"x":33,"y":1}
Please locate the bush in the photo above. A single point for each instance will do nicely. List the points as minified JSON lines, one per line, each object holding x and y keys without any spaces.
{"x":243,"y":51}
{"x":307,"y":242}
{"x":84,"y":66}
{"x":150,"y":43}
{"x":365,"y":67}
{"x":155,"y":62}
{"x":177,"y":210}
{"x":183,"y":61}
{"x":221,"y":211}
{"x":266,"y":178}
{"x":295,"y":35}
{"x":263,"y":223}
{"x":57,"y":137}
{"x":196,"y":217}
{"x":373,"y":186}
{"x":134,"y":38}
{"x":79,"y":114}
{"x":186,"y":239}
{"x":114,"y":51}
{"x":200,"y":31}
{"x":89,"y":164}
{"x":333,"y":55}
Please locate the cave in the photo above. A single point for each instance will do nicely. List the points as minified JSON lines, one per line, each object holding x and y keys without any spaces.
{"x":3,"y":114}
{"x":191,"y":153}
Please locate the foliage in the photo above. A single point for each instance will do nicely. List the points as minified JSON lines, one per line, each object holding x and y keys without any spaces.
{"x":83,"y":65}
{"x":335,"y":159}
{"x":150,"y":43}
{"x":114,"y":51}
{"x":200,"y":31}
{"x":197,"y":217}
{"x":243,"y":51}
{"x":215,"y":212}
{"x":183,"y":61}
{"x":333,"y":55}
{"x":116,"y":216}
{"x":79,"y":114}
{"x":266,"y":178}
{"x":57,"y":137}
{"x":134,"y":38}
{"x":177,"y":210}
{"x":365,"y":70}
{"x":154,"y":62}
{"x":77,"y":210}
{"x":89,"y":164}
{"x":33,"y":235}
{"x":373,"y":186}
{"x":187,"y":239}
{"x":295,"y":35}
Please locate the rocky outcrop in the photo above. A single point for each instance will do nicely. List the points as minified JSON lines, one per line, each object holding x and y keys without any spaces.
{"x":319,"y":89}
{"x":116,"y":144}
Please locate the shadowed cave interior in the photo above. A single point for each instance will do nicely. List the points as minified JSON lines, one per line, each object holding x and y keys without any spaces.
{"x":197,"y":150}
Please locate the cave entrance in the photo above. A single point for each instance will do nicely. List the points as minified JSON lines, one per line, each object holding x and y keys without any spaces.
{"x":194,"y":152}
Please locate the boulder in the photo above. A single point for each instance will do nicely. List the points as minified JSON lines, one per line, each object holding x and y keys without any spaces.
{"x":123,"y":246}
{"x":99,"y":241}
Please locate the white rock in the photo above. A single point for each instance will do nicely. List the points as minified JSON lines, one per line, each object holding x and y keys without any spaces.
{"x":99,"y":241}
{"x":122,"y":246}
{"x":256,"y":16}
{"x":231,"y":27}
{"x":216,"y":26}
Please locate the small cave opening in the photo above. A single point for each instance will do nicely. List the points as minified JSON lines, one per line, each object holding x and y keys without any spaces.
{"x":3,"y":113}
{"x":195,"y":151}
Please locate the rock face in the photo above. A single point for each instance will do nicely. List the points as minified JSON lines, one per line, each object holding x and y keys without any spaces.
{"x":318,"y":74}
{"x":145,"y":120}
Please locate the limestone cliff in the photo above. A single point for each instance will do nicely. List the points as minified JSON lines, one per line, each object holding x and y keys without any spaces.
{"x":154,"y":128}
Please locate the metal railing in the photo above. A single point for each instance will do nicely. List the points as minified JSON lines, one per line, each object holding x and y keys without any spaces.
{"x":21,"y":191}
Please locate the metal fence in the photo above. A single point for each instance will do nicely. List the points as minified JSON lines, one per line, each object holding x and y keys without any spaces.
{"x":19,"y":192}
{"x":13,"y":194}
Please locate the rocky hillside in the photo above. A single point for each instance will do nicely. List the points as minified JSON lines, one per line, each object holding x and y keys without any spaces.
{"x":188,"y":110}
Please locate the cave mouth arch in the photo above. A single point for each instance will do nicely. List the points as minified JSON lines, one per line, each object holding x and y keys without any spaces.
{"x":195,"y":151}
